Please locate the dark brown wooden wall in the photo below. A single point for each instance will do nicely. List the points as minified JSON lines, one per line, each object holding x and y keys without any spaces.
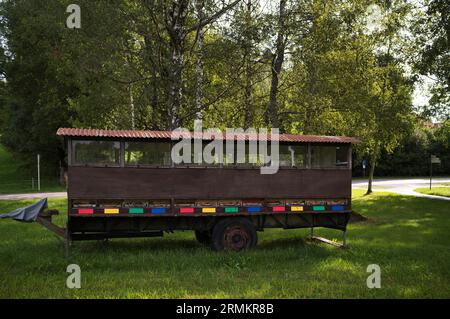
{"x":206,"y":183}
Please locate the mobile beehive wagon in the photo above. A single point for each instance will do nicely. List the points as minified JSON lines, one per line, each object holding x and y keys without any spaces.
{"x":125,"y":184}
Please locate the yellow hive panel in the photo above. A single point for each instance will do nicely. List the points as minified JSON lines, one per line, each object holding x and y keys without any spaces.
{"x":296,"y":208}
{"x":208,"y":210}
{"x":111,"y":210}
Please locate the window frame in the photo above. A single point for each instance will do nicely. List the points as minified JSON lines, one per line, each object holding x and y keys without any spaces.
{"x":343,"y":167}
{"x":123,"y":146}
{"x":307,"y":156}
{"x":72,"y":152}
{"x":122,"y":141}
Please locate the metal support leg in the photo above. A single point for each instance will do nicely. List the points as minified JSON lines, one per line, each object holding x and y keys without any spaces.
{"x":312,"y":232}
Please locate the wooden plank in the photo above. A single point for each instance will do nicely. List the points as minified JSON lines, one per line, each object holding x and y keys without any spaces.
{"x":206,"y":183}
{"x":326,"y":241}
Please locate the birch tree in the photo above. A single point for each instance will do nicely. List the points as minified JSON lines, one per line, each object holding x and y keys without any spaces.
{"x":175,"y":20}
{"x":277,"y":62}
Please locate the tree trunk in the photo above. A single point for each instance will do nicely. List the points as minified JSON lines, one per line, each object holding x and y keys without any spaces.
{"x":176,"y":13}
{"x":277,"y":63}
{"x":133,"y":120}
{"x":176,"y":27}
{"x":176,"y":86}
{"x":373,"y":160}
{"x":248,"y":100}
{"x":154,"y":96}
{"x":199,"y":63}
{"x":248,"y":103}
{"x":151,"y":56}
{"x":309,"y":125}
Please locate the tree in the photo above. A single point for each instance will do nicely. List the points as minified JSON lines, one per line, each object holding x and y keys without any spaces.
{"x":277,"y":62}
{"x":199,"y":5}
{"x":175,"y":19}
{"x":31,"y":107}
{"x":432,"y":32}
{"x":350,"y":81}
{"x":304,"y":66}
{"x":387,"y":115}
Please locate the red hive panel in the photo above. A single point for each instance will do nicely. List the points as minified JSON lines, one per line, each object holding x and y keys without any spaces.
{"x":186,"y":210}
{"x":85,"y":211}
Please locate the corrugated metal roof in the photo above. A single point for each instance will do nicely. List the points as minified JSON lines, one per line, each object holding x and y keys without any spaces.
{"x":82,"y":132}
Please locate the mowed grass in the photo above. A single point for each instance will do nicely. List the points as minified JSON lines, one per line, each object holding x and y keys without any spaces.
{"x":15,"y":179}
{"x":407,"y":237}
{"x":439,"y":191}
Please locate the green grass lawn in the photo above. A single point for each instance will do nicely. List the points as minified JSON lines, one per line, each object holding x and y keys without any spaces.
{"x":439,"y":191}
{"x":14,"y":179}
{"x":407,"y":237}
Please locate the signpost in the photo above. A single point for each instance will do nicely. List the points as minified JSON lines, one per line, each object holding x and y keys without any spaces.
{"x":39,"y":172}
{"x":364,"y":163}
{"x":433,"y":160}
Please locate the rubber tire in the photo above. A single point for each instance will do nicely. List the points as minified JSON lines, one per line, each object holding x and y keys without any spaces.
{"x":203,"y":237}
{"x":221,"y":227}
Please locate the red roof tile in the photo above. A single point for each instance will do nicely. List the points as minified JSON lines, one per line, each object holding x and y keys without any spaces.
{"x":81,"y":132}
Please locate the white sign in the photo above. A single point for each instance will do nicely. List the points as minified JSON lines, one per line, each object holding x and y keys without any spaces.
{"x":435,"y":159}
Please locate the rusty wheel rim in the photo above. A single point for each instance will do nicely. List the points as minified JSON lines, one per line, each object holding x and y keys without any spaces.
{"x":235,"y":238}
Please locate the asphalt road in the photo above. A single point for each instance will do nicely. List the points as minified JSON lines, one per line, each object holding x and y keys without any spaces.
{"x":33,"y":196}
{"x":403,"y":186}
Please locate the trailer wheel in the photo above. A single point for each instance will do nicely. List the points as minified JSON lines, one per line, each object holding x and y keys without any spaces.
{"x":203,"y":237}
{"x":233,"y":234}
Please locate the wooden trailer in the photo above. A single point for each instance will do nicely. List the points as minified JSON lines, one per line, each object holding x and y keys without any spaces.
{"x":125,"y":184}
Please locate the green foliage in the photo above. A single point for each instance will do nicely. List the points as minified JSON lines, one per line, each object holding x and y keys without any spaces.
{"x":432,"y":30}
{"x":337,"y":78}
{"x":412,"y":156}
{"x":34,"y":105}
{"x":440,"y":146}
{"x":17,"y":177}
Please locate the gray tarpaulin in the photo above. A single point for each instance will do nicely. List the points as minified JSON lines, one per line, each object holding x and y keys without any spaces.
{"x":27,"y":214}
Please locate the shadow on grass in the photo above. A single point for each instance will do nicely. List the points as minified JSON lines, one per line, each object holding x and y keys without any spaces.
{"x":138,"y":245}
{"x":171,"y":244}
{"x":274,"y":244}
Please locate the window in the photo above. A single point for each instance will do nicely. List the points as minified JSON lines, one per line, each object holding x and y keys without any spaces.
{"x":213,"y":150}
{"x":229,"y":158}
{"x":293,"y":156}
{"x":329,"y":156}
{"x":96,"y":152}
{"x":289,"y":156}
{"x":342,"y":156}
{"x":248,"y":154}
{"x":198,"y":159}
{"x":252,"y":157}
{"x":148,"y":153}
